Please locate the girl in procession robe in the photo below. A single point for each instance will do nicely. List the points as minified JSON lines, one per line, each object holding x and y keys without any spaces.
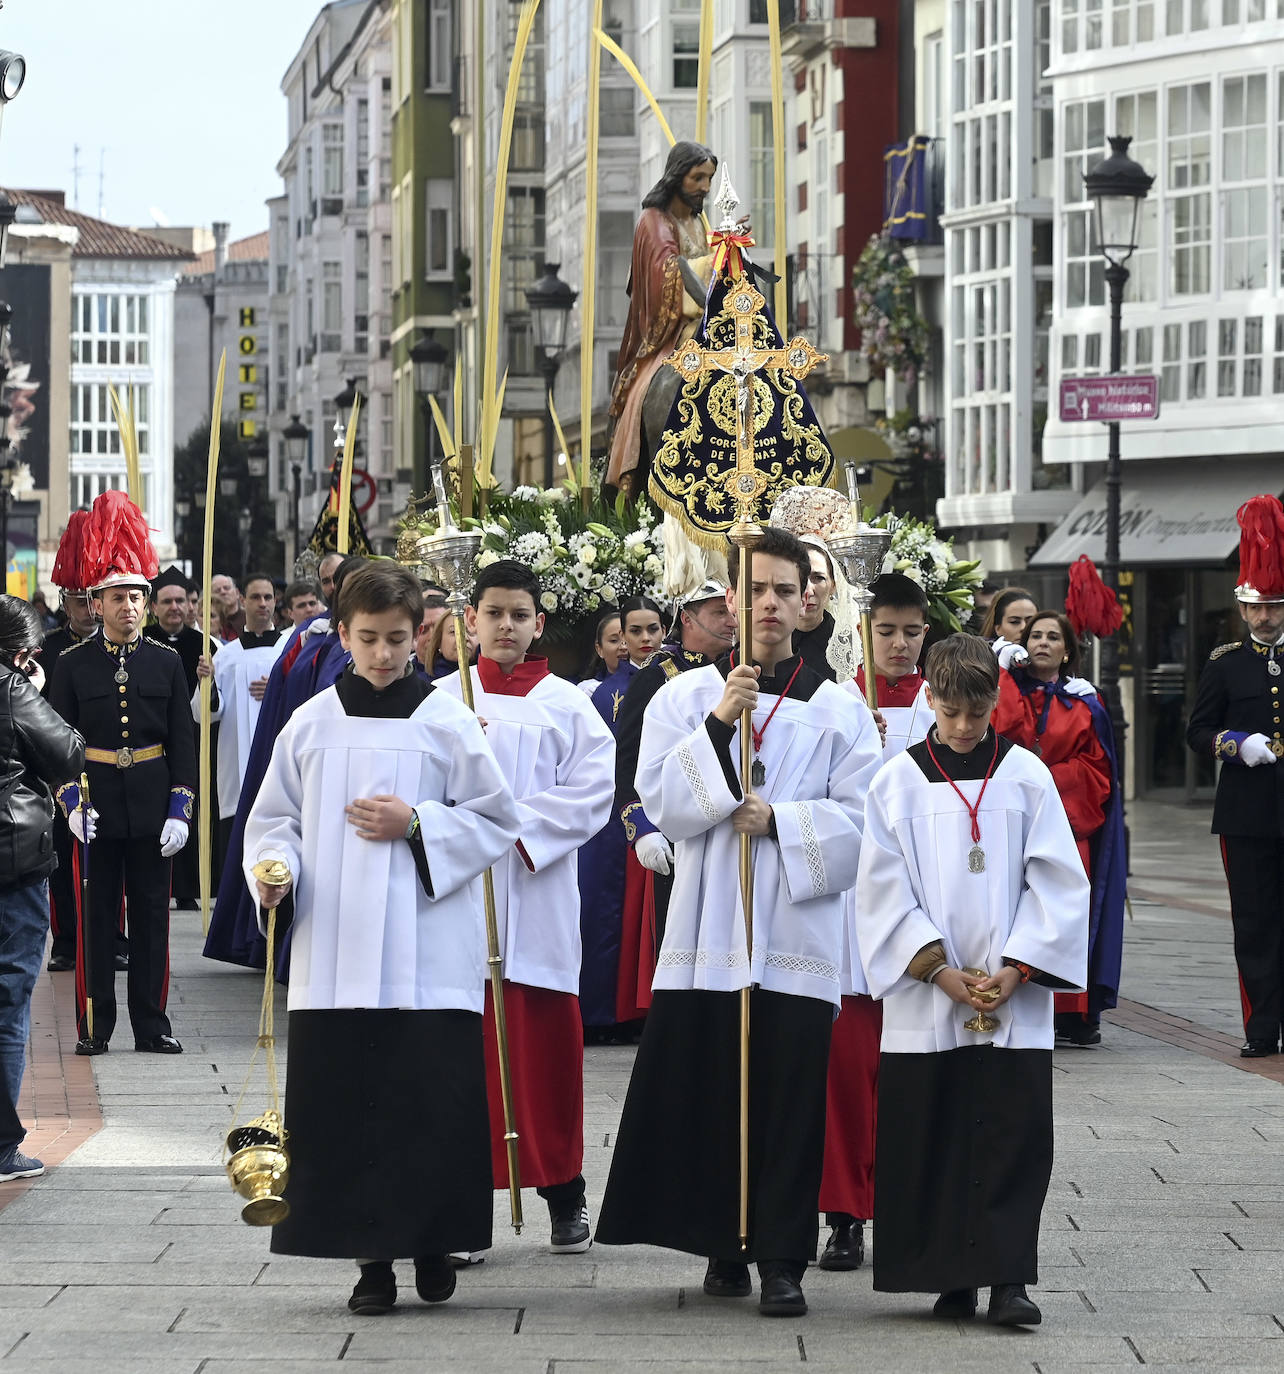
{"x":674,"y":1171}
{"x":899,"y":624}
{"x":560,"y":759}
{"x":384,"y":801}
{"x":1045,"y":706}
{"x":612,"y":881}
{"x":971,"y":898}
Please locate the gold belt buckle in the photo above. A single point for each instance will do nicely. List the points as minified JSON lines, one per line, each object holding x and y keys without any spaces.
{"x":125,"y":757}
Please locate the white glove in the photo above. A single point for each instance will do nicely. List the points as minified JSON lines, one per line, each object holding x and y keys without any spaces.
{"x":84,"y":824}
{"x":656,"y":853}
{"x":1080,"y":687}
{"x":1011,"y":656}
{"x":1256,"y":749}
{"x":173,"y":838}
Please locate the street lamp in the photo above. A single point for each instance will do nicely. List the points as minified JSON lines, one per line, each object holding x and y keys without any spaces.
{"x":1116,"y":186}
{"x":551,"y":301}
{"x":296,"y":438}
{"x":428,"y":361}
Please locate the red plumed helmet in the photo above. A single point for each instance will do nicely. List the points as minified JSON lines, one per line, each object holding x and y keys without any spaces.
{"x":1261,"y":550}
{"x":67,"y":568}
{"x":1090,"y":604}
{"x":117,"y":546}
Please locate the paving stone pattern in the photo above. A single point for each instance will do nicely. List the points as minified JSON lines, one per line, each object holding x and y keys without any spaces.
{"x":1163,"y":1237}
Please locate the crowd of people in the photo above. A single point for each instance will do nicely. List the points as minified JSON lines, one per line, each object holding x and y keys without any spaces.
{"x":932,"y":881}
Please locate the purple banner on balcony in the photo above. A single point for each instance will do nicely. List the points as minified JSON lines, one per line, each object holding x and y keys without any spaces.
{"x":906,"y":208}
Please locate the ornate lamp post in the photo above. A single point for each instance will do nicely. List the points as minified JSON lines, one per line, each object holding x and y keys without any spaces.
{"x":296,"y":438}
{"x":1117,"y":185}
{"x":551,"y":302}
{"x":428,"y":359}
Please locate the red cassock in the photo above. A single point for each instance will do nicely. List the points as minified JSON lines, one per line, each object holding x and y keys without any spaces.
{"x":637,"y":942}
{"x":1069,"y":746}
{"x":546,"y":1063}
{"x":851,"y":1099}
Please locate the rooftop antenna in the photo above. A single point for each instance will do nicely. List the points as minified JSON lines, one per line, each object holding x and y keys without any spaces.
{"x":75,"y":176}
{"x":102,"y":161}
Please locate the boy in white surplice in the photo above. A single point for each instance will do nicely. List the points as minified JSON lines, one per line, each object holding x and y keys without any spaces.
{"x":674,"y":1172}
{"x":559,"y":756}
{"x":386,"y":803}
{"x":971,"y":907}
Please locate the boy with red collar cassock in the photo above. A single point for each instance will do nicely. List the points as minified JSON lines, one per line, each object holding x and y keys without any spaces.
{"x":559,"y":756}
{"x":899,"y":618}
{"x":973,"y":907}
{"x":674,"y":1173}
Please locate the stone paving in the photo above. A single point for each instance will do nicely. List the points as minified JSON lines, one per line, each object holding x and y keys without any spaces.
{"x":1163,"y":1240}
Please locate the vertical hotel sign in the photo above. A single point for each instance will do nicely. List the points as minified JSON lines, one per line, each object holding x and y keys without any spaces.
{"x":249,"y":405}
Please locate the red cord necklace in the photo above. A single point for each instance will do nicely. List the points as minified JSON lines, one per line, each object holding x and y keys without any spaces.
{"x":758,"y":773}
{"x":975,"y":855}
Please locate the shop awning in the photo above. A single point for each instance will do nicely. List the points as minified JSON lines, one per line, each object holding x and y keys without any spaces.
{"x":1180,"y":512}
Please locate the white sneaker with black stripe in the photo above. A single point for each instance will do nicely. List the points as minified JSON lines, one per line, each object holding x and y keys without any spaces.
{"x":571,"y":1234}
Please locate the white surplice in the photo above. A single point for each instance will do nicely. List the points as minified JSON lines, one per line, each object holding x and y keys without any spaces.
{"x":559,"y":758}
{"x":1030,"y":904}
{"x":906,"y":725}
{"x":819,"y":756}
{"x":237,"y":712}
{"x":366,"y":934}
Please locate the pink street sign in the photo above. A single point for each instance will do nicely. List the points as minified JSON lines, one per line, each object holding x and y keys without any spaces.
{"x":1110,"y":398}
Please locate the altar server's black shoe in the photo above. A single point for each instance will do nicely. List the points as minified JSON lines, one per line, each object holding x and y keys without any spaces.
{"x":434,"y":1277}
{"x":727,"y":1279}
{"x":569,"y":1232}
{"x":376,"y":1291}
{"x":780,"y":1292}
{"x":845,"y":1248}
{"x":959,"y":1304}
{"x":1257,"y":1049}
{"x":1010,"y":1305}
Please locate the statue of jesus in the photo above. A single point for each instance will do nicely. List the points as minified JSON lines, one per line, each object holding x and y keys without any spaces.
{"x":668,"y":280}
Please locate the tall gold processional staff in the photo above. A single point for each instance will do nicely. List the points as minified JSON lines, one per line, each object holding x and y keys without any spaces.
{"x":739,"y":380}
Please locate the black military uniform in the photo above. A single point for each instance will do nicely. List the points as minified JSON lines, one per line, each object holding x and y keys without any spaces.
{"x":667,"y":662}
{"x":132,"y":706}
{"x":62,"y":881}
{"x":1240,"y":694}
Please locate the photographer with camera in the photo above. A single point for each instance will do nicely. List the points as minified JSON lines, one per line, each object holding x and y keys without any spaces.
{"x":39,"y":751}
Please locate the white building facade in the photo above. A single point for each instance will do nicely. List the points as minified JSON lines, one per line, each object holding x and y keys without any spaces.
{"x":330,"y":259}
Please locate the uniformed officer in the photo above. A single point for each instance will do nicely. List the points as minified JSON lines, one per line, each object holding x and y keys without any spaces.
{"x":706,"y":631}
{"x":127,"y":695}
{"x":1237,"y":719}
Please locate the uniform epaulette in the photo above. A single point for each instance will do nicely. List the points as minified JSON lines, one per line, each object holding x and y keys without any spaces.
{"x":79,"y":644}
{"x":1224,"y":649}
{"x":658,"y":655}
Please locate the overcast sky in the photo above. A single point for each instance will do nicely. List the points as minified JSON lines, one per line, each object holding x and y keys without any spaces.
{"x":182,"y":99}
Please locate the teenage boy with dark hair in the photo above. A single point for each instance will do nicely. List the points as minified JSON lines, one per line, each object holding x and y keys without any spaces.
{"x":560,"y":757}
{"x":674,"y":1177}
{"x":385,"y":803}
{"x":899,"y":616}
{"x":971,"y":899}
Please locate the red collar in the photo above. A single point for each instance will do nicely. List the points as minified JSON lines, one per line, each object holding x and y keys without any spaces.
{"x":899,"y":693}
{"x":518,"y":683}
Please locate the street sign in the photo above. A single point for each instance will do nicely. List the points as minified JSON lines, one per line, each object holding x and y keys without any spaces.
{"x":1110,"y":398}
